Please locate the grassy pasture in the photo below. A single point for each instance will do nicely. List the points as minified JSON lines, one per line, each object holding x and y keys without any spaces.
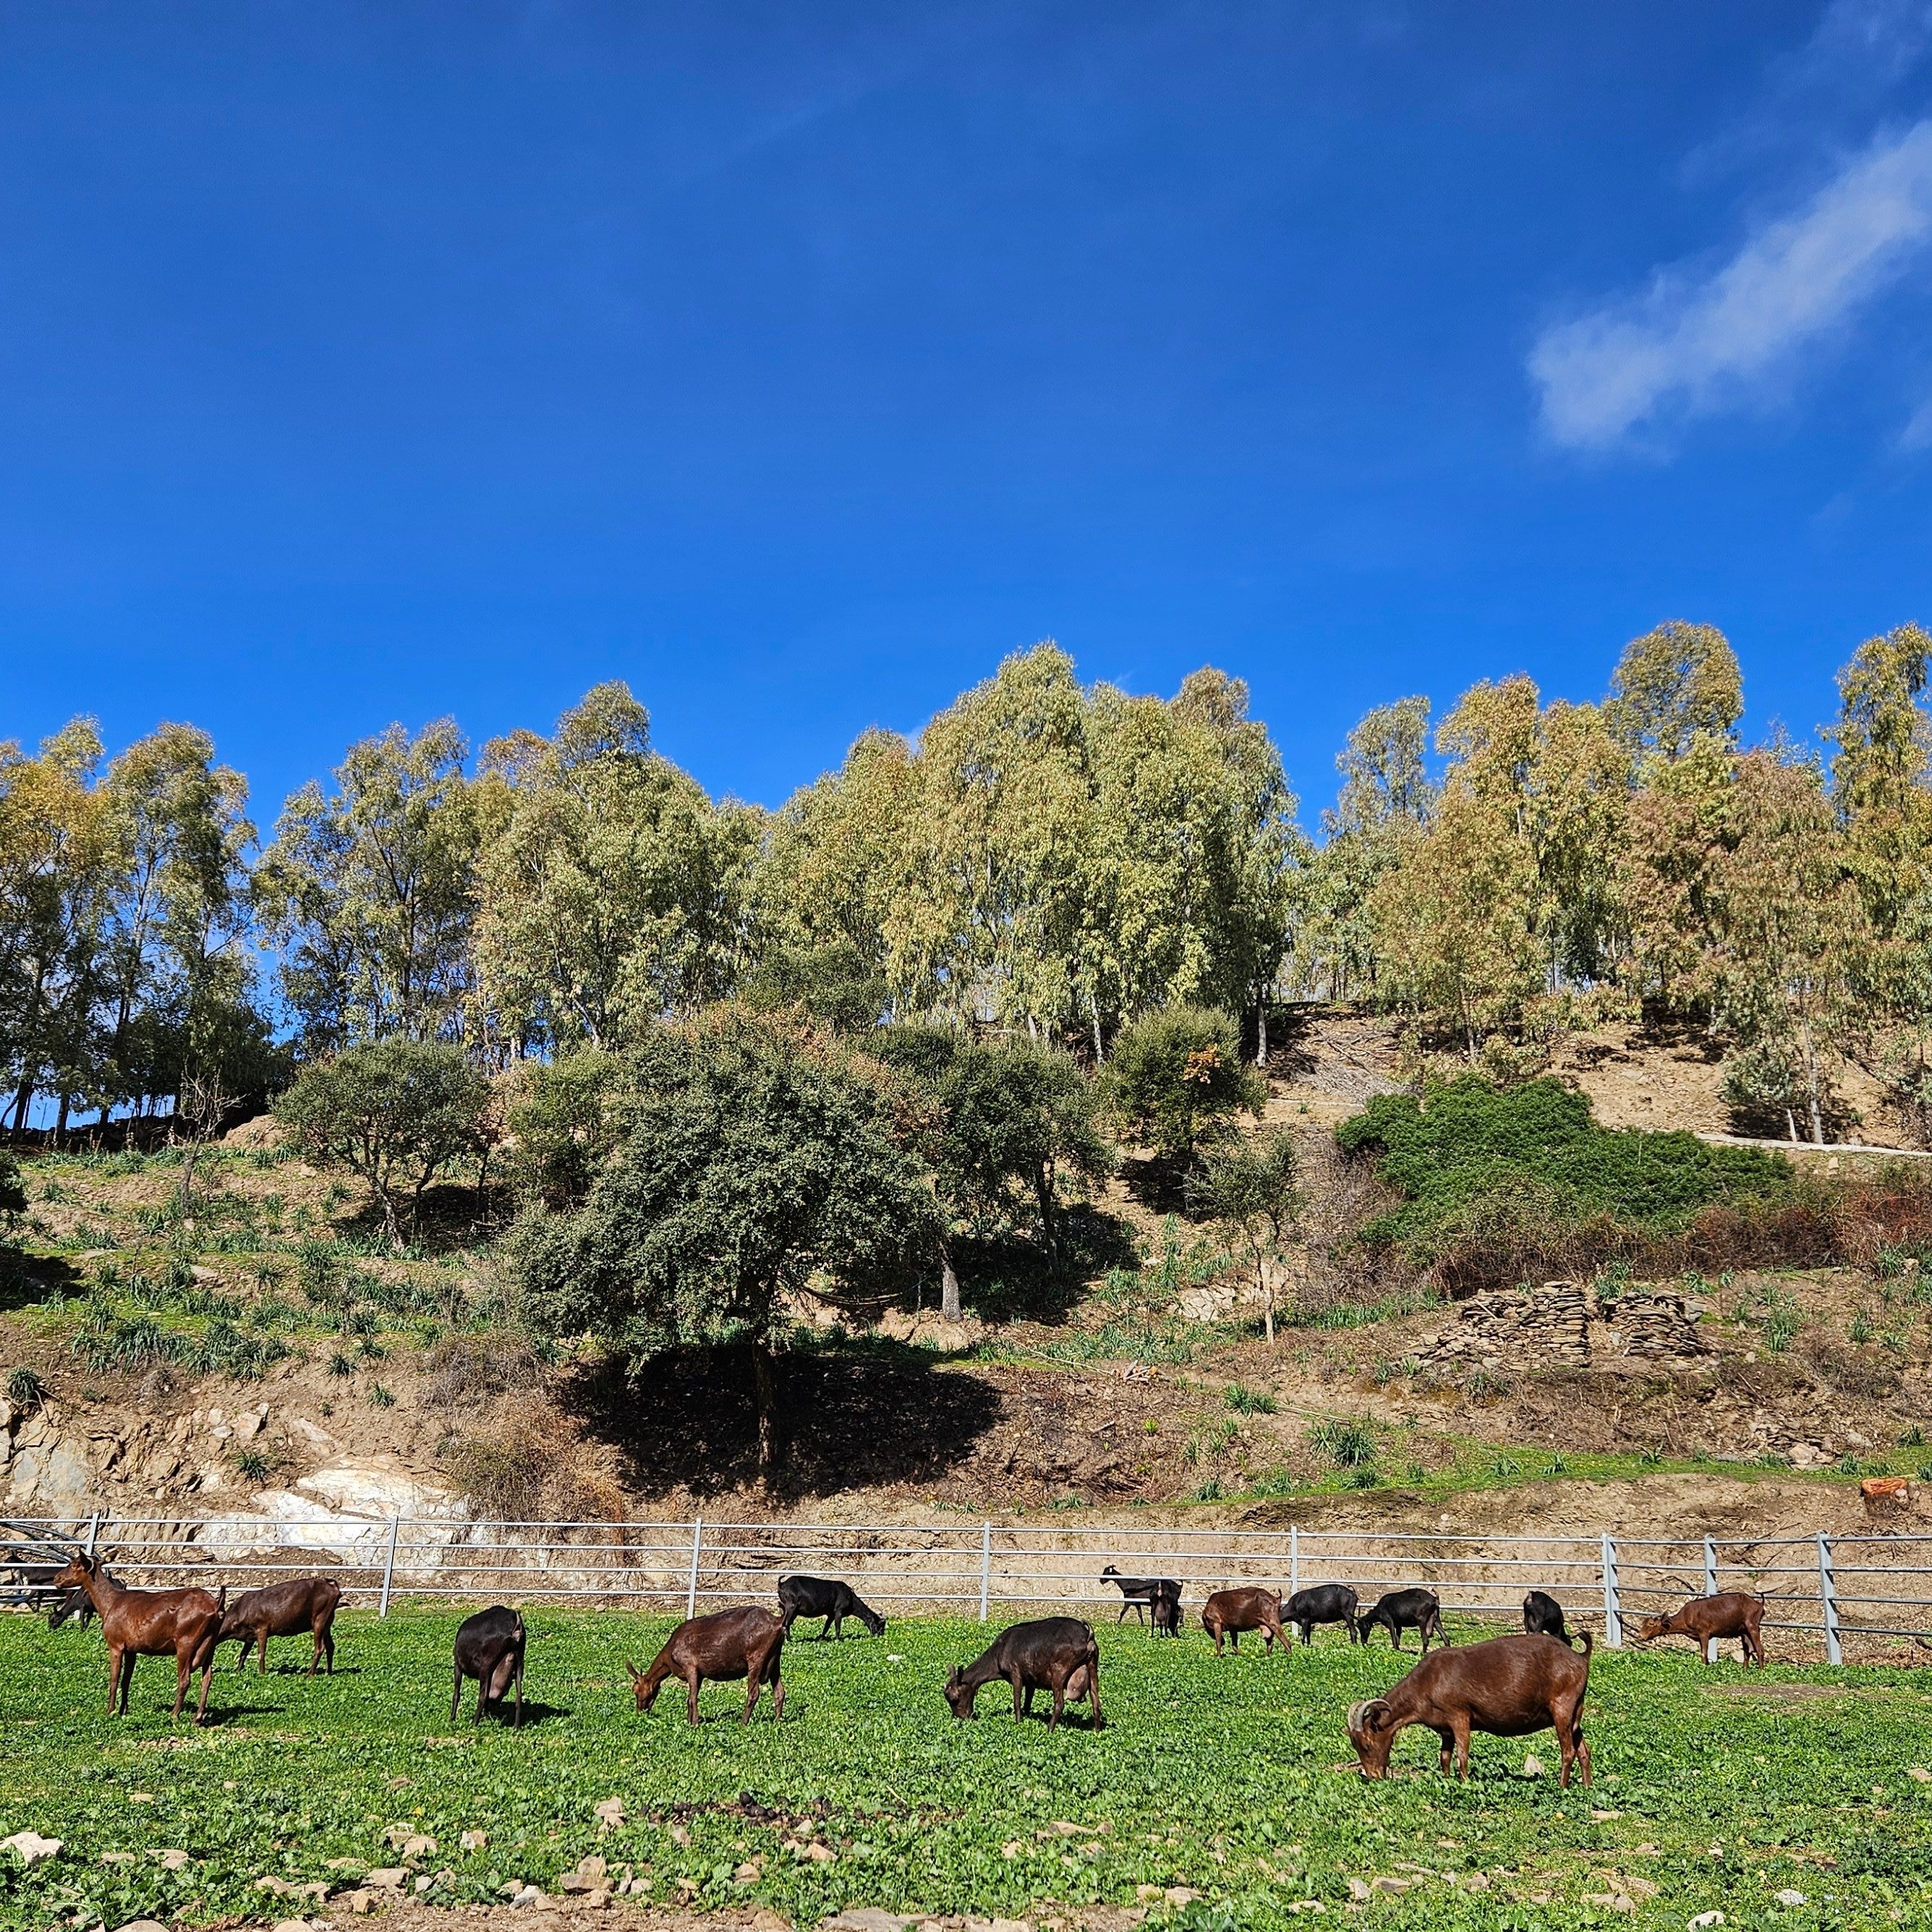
{"x":1220,"y":1775}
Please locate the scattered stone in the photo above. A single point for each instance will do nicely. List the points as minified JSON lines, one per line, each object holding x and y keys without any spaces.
{"x":509,"y":1888}
{"x":1919,"y":1772}
{"x":475,"y":1841}
{"x":355,"y":1865}
{"x":1359,"y":1891}
{"x":531,"y":1894}
{"x":420,"y":1846}
{"x":1603,"y":1817}
{"x":819,"y":1854}
{"x":608,"y":1812}
{"x":143,"y":1925}
{"x":1392,"y":1885}
{"x":679,"y":1835}
{"x":140,"y":1798}
{"x":1305,"y":1905}
{"x":280,"y":1887}
{"x":290,"y":1925}
{"x":172,"y":1859}
{"x":1617,"y":1901}
{"x":1175,"y":1894}
{"x":1703,"y":1919}
{"x":1533,"y":1766}
{"x":1788,"y":1897}
{"x":31,"y":1846}
{"x":359,"y":1902}
{"x":117,"y":1858}
{"x":869,"y":1919}
{"x":749,"y":1873}
{"x":388,"y":1878}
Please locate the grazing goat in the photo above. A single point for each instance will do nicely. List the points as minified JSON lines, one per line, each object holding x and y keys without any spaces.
{"x":489,"y":1648}
{"x":1056,"y":1653}
{"x":282,"y":1610}
{"x":1229,"y":1612}
{"x":726,"y":1645}
{"x":1399,"y":1610}
{"x":1543,"y":1616}
{"x":823,"y":1597}
{"x":1160,"y":1595}
{"x":1731,"y":1613}
{"x":1506,"y":1687}
{"x":1322,"y":1603}
{"x":148,"y":1623}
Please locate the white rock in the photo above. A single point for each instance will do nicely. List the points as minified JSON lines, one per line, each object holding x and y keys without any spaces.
{"x":1703,"y":1919}
{"x":1788,"y":1897}
{"x":1533,"y":1766}
{"x":31,"y":1846}
{"x":146,"y":1925}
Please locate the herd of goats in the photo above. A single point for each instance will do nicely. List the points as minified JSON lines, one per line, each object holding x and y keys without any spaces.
{"x":1504,"y":1687}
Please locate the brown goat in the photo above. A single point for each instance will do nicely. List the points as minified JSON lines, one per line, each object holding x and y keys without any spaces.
{"x":1506,"y":1687}
{"x":149,"y":1623}
{"x":282,"y":1610}
{"x":1056,"y":1653}
{"x":724,"y":1646}
{"x":1731,"y":1613}
{"x":1231,"y":1611}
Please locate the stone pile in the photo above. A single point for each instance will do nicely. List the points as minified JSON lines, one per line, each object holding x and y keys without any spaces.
{"x":1547,"y":1328}
{"x":1656,"y":1326}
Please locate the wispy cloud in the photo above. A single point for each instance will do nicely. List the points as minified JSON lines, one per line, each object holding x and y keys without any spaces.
{"x":1703,"y":338}
{"x":1917,"y":434}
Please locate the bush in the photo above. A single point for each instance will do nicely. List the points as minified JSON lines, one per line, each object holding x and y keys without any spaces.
{"x":1526,"y":1171}
{"x":400,"y":1112}
{"x":1176,"y":1078}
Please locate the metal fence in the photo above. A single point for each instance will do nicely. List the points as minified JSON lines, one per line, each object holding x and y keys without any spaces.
{"x":1832,"y":1590}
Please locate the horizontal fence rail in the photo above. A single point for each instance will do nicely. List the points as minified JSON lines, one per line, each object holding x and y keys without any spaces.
{"x":1832,"y":1589}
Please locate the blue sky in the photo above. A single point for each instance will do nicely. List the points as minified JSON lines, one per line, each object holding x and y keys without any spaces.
{"x":794,"y":363}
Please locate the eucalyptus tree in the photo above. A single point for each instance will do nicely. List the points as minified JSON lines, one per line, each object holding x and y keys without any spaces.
{"x":610,"y":891}
{"x":369,"y":891}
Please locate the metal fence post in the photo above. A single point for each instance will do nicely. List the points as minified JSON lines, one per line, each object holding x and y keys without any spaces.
{"x":1293,"y":1557}
{"x":93,"y":1534}
{"x":691,"y":1588}
{"x":1710,"y":1568}
{"x":985,"y":1567}
{"x":389,"y":1565}
{"x":1613,"y":1613}
{"x":1828,"y":1595}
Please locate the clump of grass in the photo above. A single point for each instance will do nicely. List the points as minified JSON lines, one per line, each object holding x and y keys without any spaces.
{"x":25,"y":1388}
{"x":1349,"y":1445}
{"x":1245,"y":1400}
{"x":380,"y":1397}
{"x":251,"y":1465}
{"x":339,"y":1364}
{"x":1781,"y":1320}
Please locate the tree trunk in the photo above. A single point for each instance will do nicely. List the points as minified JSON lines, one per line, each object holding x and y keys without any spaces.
{"x":1261,"y":1031}
{"x":1268,"y":1300}
{"x":948,"y":1283}
{"x":1043,"y":1188}
{"x":765,"y":1378}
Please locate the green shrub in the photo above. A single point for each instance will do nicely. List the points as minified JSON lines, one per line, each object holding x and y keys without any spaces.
{"x":1247,"y":1401}
{"x":25,"y":1390}
{"x":1175,"y":1077}
{"x":1520,"y":1170}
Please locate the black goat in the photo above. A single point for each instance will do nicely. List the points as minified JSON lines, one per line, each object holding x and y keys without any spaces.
{"x":1543,"y":1616}
{"x":825,"y":1597}
{"x":1323,"y":1604}
{"x":1160,"y":1596}
{"x":489,"y":1648}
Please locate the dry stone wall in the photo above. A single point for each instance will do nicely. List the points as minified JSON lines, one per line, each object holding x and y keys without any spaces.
{"x":1522,"y":1330}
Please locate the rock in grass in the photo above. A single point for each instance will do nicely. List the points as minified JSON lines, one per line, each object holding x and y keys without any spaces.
{"x":31,"y":1846}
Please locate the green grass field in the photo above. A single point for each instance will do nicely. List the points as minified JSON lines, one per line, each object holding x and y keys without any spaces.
{"x":1712,"y":1791}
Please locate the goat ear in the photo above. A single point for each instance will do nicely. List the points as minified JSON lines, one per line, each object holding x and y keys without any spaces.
{"x":637,"y":1675}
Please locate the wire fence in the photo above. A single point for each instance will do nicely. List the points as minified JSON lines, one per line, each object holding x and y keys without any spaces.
{"x":1865,"y":1591}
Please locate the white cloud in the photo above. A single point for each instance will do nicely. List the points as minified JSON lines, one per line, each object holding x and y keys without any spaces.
{"x":1917,"y":434}
{"x":1700,"y":340}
